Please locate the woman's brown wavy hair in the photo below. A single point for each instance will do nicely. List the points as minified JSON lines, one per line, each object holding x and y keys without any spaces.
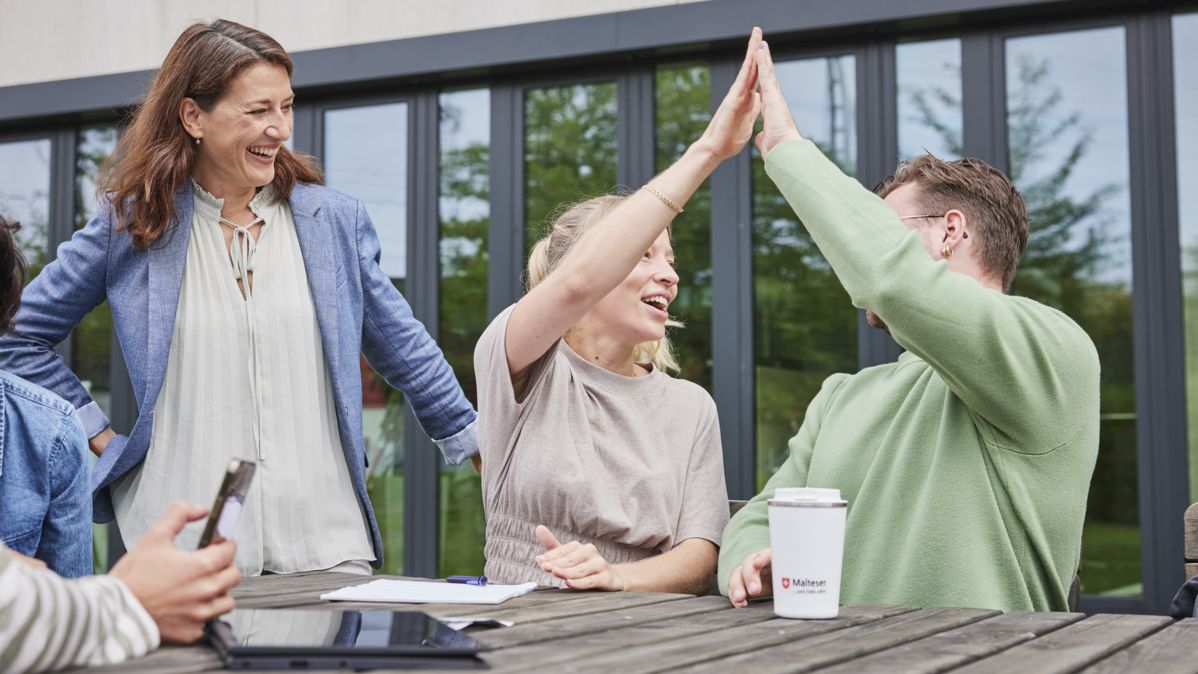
{"x":154,"y":157}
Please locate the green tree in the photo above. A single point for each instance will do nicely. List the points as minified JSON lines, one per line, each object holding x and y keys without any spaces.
{"x":804,"y":324}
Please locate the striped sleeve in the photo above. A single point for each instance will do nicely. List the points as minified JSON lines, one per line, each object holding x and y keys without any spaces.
{"x":48,"y":622}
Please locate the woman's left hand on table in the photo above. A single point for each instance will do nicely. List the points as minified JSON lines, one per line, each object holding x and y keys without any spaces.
{"x":580,"y":565}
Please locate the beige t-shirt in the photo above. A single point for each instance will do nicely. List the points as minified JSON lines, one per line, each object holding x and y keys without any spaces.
{"x":631,"y":464}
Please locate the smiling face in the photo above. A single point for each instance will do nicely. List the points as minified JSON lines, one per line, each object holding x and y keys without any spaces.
{"x":636,"y":310}
{"x":242,"y":133}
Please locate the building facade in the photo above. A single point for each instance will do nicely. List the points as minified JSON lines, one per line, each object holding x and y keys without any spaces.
{"x":465,"y":125}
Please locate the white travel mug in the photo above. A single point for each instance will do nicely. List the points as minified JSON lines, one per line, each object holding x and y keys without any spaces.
{"x":807,"y":541}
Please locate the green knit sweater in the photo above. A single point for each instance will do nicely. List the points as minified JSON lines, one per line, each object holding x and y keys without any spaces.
{"x":966,"y":464}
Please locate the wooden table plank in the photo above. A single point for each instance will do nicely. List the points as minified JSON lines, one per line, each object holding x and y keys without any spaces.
{"x":1173,"y":650}
{"x":303,"y":590}
{"x":571,"y":651}
{"x":1072,"y":647}
{"x":679,"y":652}
{"x":166,"y":660}
{"x":538,"y":598}
{"x":955,"y":647}
{"x":535,"y":607}
{"x":316,"y":583}
{"x":586,"y":603}
{"x":562,"y":628}
{"x":824,"y":649}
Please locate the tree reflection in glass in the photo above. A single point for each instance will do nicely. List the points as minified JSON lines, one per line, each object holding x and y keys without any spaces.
{"x":929,"y":98}
{"x":366,"y":155}
{"x":25,"y":197}
{"x":569,"y":150}
{"x":682,"y":111}
{"x":464,"y":215}
{"x":804,"y":325}
{"x":1068,"y":151}
{"x":91,"y":341}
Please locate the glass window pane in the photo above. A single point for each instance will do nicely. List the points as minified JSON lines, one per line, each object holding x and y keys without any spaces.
{"x":683,"y":108}
{"x":91,"y":342}
{"x":1185,"y":90}
{"x":804,"y":325}
{"x":465,"y":214}
{"x":569,"y":149}
{"x":1068,"y":144}
{"x":929,"y":98}
{"x":366,"y":155}
{"x":25,"y":197}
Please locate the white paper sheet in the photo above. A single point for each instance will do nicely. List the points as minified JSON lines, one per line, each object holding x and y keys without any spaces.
{"x":427,"y":592}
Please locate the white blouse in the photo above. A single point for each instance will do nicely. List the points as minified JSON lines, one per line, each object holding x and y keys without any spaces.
{"x":246,"y":378}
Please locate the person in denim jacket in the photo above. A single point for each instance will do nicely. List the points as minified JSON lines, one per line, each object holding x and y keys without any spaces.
{"x":45,"y":511}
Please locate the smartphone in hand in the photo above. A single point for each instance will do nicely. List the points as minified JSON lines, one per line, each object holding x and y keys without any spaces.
{"x":229,"y":501}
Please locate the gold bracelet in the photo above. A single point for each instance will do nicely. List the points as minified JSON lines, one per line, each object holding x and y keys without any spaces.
{"x":664,"y":199}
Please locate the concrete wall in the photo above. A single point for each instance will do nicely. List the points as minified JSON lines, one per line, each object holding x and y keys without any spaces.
{"x":43,"y":40}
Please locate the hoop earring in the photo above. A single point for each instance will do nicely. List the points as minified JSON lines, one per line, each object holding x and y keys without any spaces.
{"x":947,"y":252}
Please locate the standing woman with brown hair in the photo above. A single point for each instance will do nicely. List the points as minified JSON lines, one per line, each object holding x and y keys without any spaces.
{"x":243,"y":293}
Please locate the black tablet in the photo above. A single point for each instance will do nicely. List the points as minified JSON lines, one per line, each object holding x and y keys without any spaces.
{"x":308,"y":639}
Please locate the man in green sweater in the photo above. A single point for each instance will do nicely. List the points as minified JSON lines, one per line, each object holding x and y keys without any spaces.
{"x":966,"y":464}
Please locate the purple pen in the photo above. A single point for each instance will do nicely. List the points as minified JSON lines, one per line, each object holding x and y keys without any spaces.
{"x":468,"y":580}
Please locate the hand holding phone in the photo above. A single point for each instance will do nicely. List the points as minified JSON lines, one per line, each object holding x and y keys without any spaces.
{"x":229,"y":500}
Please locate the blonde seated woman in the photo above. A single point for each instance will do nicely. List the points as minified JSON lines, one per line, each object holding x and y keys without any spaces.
{"x":599,"y":470}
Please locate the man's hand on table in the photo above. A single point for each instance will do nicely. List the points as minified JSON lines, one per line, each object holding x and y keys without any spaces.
{"x":180,"y":589}
{"x":751,"y":579}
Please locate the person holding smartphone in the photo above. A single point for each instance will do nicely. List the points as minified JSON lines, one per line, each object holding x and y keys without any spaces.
{"x":155,"y":594}
{"x":244,"y":293}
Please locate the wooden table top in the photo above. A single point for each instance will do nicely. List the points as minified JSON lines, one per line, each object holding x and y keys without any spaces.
{"x":634,"y":632}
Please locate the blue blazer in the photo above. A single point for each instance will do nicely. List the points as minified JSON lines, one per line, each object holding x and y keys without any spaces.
{"x":358,"y":310}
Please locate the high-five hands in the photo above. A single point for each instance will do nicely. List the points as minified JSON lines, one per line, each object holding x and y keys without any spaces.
{"x":731,"y":126}
{"x":778,"y":126}
{"x":581,"y":566}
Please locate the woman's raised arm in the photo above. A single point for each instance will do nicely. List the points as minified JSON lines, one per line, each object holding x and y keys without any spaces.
{"x":605,"y":254}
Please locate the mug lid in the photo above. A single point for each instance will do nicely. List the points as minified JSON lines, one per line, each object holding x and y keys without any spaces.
{"x":814,"y":496}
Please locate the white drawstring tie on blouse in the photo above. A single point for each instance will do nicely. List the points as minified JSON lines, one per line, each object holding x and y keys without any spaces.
{"x":242,"y":249}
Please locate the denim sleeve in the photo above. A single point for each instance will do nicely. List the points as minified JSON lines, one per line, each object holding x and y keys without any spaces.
{"x":66,"y":542}
{"x":52,"y":305}
{"x":399,"y":348}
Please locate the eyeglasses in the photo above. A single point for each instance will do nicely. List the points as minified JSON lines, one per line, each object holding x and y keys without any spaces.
{"x":913,"y":217}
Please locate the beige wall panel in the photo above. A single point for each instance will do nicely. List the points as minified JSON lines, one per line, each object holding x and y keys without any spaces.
{"x":44,"y":40}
